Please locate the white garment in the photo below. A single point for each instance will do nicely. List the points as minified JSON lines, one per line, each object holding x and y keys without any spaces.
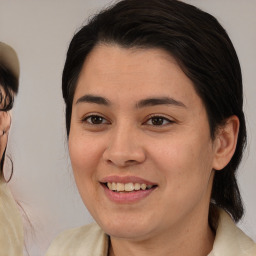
{"x":230,"y":240}
{"x":92,"y":241}
{"x":11,"y":227}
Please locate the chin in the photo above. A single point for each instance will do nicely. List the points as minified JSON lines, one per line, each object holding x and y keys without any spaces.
{"x":121,"y":233}
{"x":124,"y":229}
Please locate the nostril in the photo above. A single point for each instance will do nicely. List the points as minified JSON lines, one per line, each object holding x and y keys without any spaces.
{"x":121,"y":163}
{"x":109,"y":161}
{"x":122,"y":156}
{"x":130,"y":161}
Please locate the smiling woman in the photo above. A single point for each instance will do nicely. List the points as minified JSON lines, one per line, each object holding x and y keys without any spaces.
{"x":156,"y":131}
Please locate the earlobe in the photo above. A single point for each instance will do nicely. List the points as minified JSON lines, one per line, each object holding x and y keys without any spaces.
{"x":225,"y":142}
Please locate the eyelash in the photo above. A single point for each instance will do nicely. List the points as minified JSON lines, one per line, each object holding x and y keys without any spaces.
{"x":163,"y":120}
{"x":85,"y":120}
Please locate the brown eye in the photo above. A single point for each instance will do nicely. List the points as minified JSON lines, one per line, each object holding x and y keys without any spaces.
{"x":158,"y":121}
{"x":95,"y":119}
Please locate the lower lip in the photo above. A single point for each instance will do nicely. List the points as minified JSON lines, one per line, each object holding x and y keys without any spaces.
{"x":127,"y":197}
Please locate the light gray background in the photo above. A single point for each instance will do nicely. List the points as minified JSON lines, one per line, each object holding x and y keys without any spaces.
{"x":40,"y":31}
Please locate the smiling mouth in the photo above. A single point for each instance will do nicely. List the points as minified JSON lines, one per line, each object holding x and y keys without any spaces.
{"x":128,"y":187}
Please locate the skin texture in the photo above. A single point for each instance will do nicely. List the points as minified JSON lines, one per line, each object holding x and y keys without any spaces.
{"x":174,"y":151}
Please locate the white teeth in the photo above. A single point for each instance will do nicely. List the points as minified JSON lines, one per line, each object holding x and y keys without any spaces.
{"x":137,"y":186}
{"x":109,"y":185}
{"x":113,"y":186}
{"x":128,"y":187}
{"x":143,"y":186}
{"x":119,"y":187}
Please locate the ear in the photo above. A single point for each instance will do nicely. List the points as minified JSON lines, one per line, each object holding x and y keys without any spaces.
{"x":225,"y":142}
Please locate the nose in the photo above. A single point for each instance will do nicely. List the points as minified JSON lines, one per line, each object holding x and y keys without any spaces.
{"x":125,"y":148}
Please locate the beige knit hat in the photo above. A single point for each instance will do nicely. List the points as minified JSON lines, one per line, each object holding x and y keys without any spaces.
{"x":9,"y":59}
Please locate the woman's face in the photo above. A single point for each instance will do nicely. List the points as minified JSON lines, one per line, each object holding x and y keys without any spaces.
{"x":139,"y":127}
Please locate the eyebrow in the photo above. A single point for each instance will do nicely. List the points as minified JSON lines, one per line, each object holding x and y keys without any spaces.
{"x":159,"y":101}
{"x":88,"y":98}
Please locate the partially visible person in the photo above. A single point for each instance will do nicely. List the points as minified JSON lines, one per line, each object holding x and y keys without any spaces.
{"x":11,"y":227}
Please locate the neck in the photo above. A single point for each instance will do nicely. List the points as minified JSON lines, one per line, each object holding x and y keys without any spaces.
{"x":194,"y":239}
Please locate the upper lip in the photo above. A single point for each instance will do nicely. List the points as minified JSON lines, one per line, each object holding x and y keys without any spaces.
{"x":126,"y":179}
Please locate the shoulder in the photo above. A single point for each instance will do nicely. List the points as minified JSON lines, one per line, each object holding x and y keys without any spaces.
{"x":230,"y":240}
{"x":11,"y":231}
{"x":80,"y":241}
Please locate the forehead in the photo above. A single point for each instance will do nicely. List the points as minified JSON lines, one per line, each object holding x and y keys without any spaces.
{"x":133,"y":73}
{"x":107,"y":59}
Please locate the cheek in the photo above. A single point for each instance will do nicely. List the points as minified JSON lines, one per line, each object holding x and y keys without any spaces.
{"x":82,"y":149}
{"x":84,"y":156}
{"x":186,"y":164}
{"x":83,"y":160}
